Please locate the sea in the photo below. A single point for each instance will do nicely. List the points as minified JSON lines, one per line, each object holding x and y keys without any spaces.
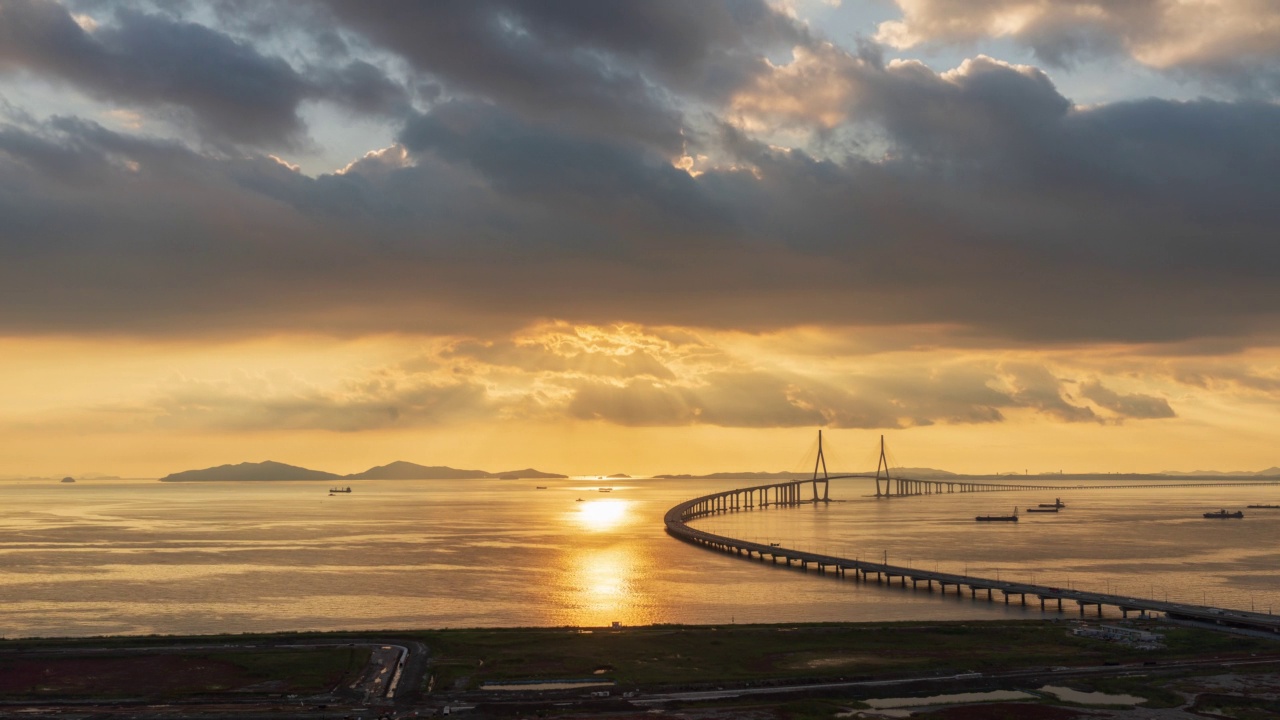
{"x":144,"y":557}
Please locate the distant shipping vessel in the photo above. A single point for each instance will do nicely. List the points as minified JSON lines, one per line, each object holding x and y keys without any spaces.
{"x":1043,"y":508}
{"x":606,"y":489}
{"x":999,"y":518}
{"x":1057,"y":503}
{"x":1265,"y":507}
{"x":339,"y":490}
{"x":1223,"y":514}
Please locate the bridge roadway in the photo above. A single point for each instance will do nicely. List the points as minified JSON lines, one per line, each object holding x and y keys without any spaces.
{"x":903,"y":487}
{"x":790,"y":494}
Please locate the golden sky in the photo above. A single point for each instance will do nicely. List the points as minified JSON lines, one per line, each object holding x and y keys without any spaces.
{"x":671,"y":237}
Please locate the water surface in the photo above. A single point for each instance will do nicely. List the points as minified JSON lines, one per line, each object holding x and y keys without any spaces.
{"x":148,"y":557}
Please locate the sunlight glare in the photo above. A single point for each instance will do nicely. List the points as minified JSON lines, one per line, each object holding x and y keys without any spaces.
{"x":602,"y":515}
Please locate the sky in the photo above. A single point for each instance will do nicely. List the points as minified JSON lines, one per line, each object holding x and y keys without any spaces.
{"x":639,"y":237}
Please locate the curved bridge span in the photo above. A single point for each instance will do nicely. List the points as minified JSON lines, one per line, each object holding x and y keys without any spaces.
{"x":794,"y":493}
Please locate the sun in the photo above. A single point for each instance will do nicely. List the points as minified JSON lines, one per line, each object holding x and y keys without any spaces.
{"x":602,"y":515}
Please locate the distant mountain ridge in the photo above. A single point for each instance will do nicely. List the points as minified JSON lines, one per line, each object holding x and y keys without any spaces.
{"x":1269,"y":472}
{"x":401,"y":470}
{"x":526,"y":473}
{"x":269,"y":471}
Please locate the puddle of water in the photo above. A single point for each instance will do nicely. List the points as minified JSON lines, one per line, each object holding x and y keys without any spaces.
{"x":994,"y":695}
{"x":1091,"y":698}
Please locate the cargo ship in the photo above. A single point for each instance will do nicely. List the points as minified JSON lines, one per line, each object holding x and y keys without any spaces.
{"x":1256,"y":507}
{"x":999,"y":518}
{"x":1223,"y":514}
{"x":339,"y":490}
{"x":1057,"y":503}
{"x":1043,"y":508}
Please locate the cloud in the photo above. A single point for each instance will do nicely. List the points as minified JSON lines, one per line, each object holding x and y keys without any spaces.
{"x":1036,"y":387}
{"x":618,"y":66}
{"x":558,"y":375}
{"x":1133,"y":405}
{"x":226,"y":88}
{"x":1218,"y":42}
{"x":977,"y":199}
{"x":255,"y":403}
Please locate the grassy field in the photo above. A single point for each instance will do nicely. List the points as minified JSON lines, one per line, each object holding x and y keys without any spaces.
{"x":650,"y":656}
{"x":177,"y":674}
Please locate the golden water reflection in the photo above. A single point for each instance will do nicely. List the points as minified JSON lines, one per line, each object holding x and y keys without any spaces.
{"x":603,"y":586}
{"x":602,"y":515}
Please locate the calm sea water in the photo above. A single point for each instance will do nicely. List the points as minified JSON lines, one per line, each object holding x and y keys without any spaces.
{"x":147,"y":557}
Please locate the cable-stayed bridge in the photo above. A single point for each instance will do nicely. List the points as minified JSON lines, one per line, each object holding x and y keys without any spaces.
{"x":817,"y":490}
{"x":890,"y":485}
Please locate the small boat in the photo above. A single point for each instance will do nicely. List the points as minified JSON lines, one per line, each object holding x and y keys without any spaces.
{"x":1255,"y":507}
{"x":541,"y":487}
{"x":1223,"y":514}
{"x":1043,"y":508}
{"x":578,"y":500}
{"x":606,"y":489}
{"x":339,"y":490}
{"x":1057,"y":503}
{"x":999,"y":518}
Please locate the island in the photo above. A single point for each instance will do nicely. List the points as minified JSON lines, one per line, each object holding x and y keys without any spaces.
{"x":270,"y":470}
{"x":247,"y":471}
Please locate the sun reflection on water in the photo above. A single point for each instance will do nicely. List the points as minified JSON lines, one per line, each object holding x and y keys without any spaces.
{"x":603,"y":586}
{"x":602,"y":515}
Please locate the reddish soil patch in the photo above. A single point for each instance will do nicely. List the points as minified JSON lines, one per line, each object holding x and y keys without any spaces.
{"x":119,"y":676}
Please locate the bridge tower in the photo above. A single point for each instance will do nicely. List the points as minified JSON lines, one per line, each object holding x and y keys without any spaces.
{"x":882,"y":464}
{"x":826,"y":485}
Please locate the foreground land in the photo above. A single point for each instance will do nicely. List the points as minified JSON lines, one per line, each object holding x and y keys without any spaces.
{"x":760,"y":671}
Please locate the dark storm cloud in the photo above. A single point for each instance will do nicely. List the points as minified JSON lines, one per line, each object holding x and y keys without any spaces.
{"x":631,"y":187}
{"x":227,"y":88}
{"x":596,"y":68}
{"x":231,"y":89}
{"x":1118,"y":219}
{"x":1119,"y":222}
{"x":361,"y":86}
{"x":984,"y":201}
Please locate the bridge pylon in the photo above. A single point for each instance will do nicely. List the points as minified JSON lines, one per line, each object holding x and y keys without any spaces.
{"x":883,"y":464}
{"x":826,"y":486}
